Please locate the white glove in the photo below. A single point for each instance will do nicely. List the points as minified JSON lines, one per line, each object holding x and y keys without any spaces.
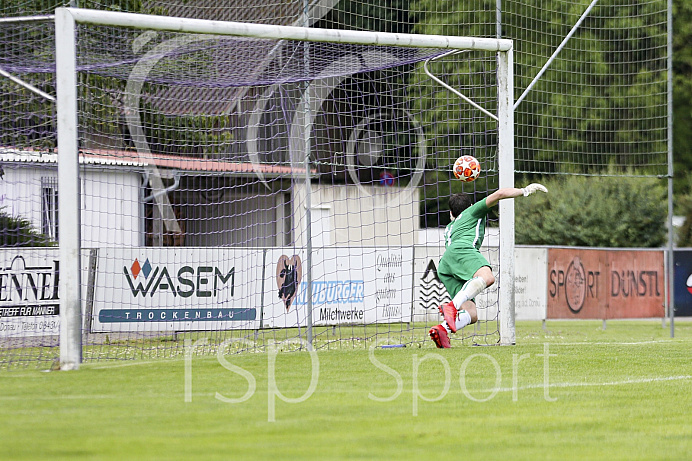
{"x":531,"y":188}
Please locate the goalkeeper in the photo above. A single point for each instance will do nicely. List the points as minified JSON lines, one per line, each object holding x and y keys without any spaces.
{"x":463,"y":270}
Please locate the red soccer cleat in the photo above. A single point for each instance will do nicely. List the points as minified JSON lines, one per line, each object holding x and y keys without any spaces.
{"x":440,"y":337}
{"x":449,"y":312}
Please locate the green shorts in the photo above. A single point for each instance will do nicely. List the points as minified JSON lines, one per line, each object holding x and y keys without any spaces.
{"x":457,"y":266}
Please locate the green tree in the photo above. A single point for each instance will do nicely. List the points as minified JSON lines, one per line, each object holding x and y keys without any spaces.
{"x":19,"y":232}
{"x":682,"y":96}
{"x":683,"y":205}
{"x":600,"y":104}
{"x":374,"y":15}
{"x":595,"y":211}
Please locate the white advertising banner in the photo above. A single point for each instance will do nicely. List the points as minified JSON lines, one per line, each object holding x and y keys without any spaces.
{"x":349,"y":286}
{"x":29,"y":302}
{"x":530,"y":283}
{"x":177,"y":289}
{"x":430,"y":293}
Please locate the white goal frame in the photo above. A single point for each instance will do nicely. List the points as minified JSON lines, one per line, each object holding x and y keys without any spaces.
{"x":68,"y":148}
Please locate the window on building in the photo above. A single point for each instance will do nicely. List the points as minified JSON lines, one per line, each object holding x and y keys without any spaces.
{"x":49,"y":207}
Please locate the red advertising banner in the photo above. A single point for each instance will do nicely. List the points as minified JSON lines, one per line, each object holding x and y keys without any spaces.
{"x":604,"y":284}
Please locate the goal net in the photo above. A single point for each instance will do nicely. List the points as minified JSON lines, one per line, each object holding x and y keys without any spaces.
{"x":246,"y":185}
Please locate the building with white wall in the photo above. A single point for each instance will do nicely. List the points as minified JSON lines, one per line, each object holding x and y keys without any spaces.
{"x":214,"y":203}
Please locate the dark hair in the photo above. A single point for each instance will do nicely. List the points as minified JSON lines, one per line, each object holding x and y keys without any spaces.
{"x":458,"y":203}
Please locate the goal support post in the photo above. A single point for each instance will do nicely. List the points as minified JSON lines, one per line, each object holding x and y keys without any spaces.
{"x":66,"y":20}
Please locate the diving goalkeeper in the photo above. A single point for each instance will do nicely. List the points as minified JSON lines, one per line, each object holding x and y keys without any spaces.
{"x":463,"y":270}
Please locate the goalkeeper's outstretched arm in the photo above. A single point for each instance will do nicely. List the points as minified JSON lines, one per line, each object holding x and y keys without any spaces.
{"x":512,"y":192}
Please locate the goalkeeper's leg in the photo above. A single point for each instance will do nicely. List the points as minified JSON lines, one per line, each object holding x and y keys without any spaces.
{"x":462,"y":310}
{"x":467,"y":315}
{"x":482,"y":279}
{"x":462,"y":317}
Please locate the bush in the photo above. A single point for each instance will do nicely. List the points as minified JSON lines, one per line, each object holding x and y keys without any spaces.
{"x":19,"y":232}
{"x":684,"y":233}
{"x":616,"y":212}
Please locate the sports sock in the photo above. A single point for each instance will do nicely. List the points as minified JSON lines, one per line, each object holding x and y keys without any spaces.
{"x":463,"y":319}
{"x":446,"y":327}
{"x":470,"y":290}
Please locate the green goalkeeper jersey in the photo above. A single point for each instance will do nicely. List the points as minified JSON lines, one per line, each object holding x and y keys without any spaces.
{"x":468,"y":229}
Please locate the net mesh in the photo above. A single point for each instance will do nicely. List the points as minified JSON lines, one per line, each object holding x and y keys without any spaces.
{"x":195,"y":213}
{"x":193,"y":154}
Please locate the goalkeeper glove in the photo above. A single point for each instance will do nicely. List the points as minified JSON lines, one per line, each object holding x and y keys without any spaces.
{"x":531,"y":188}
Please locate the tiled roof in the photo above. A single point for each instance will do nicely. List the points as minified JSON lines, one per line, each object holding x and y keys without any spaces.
{"x":121,"y":158}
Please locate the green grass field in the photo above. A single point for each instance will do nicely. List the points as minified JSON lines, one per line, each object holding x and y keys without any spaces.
{"x":623,"y":393}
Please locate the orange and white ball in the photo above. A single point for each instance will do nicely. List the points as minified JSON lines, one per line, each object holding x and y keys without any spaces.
{"x":467,"y":168}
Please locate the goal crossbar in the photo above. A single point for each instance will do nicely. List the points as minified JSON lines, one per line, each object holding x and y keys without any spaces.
{"x":275,"y":32}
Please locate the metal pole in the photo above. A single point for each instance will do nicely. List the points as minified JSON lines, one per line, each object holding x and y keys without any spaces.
{"x":498,"y":18}
{"x":26,"y":85}
{"x":49,"y":17}
{"x":68,"y":195}
{"x":452,"y":89}
{"x":671,"y":231}
{"x":308,"y":186}
{"x":264,"y":275}
{"x":505,"y":154}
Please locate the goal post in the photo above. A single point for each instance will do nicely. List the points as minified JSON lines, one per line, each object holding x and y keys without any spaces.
{"x":70,"y":238}
{"x":505,"y":154}
{"x":69,"y":198}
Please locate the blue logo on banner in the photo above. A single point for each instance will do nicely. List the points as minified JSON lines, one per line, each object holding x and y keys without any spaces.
{"x":333,"y":292}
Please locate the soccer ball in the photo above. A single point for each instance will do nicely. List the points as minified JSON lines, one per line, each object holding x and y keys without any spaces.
{"x":467,"y":168}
